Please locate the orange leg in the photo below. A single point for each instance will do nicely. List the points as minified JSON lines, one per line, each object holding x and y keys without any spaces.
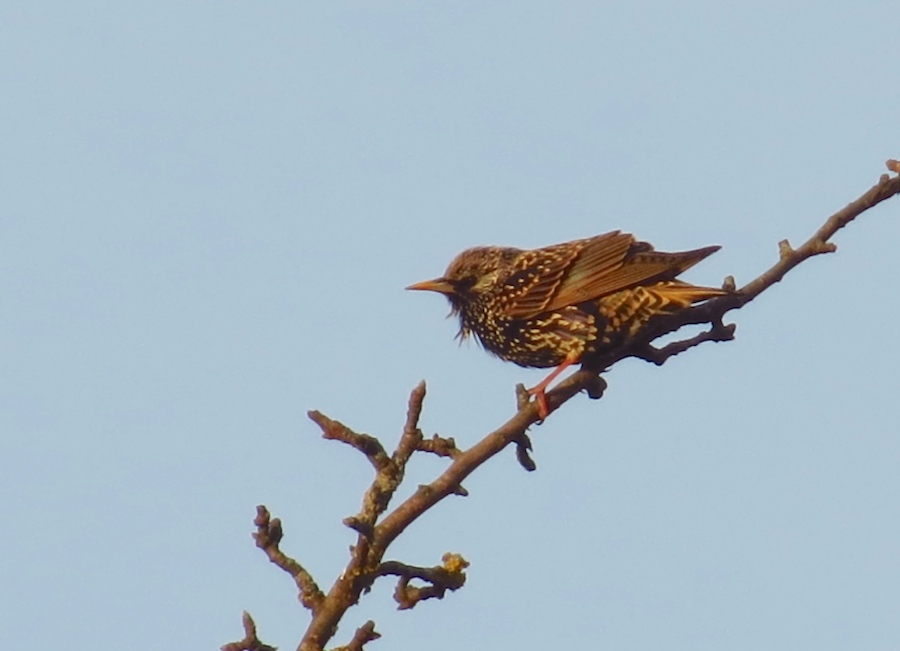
{"x":538,"y":390}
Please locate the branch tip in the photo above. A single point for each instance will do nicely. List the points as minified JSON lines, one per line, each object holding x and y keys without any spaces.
{"x":818,"y":247}
{"x":785,"y":251}
{"x":368,"y":445}
{"x":450,"y":575}
{"x":251,"y":641}
{"x":359,"y":525}
{"x":523,"y":450}
{"x":416,"y":398}
{"x":268,"y":535}
{"x":523,"y":398}
{"x":454,"y":562}
{"x":364,"y":634}
{"x":412,"y":435}
{"x":440,"y":446}
{"x":460,"y":490}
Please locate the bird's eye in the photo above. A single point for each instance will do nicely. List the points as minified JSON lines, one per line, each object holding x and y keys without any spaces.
{"x":465,"y":283}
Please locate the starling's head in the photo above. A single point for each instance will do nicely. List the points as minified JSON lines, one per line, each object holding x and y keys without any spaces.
{"x":472,"y":275}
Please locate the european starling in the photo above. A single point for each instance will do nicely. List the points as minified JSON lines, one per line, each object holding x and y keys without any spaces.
{"x":565,"y":303}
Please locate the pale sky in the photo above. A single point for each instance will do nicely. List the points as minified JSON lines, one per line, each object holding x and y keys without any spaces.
{"x":208,"y":214}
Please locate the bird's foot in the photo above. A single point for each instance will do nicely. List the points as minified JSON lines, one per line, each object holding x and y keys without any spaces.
{"x":538,"y":391}
{"x":541,"y":399}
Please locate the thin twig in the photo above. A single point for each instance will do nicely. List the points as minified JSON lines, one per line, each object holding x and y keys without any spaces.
{"x":449,"y":576}
{"x":250,"y":641}
{"x":365,"y":633}
{"x":714,"y":310}
{"x":365,"y":556}
{"x":442,"y":447}
{"x":717,"y":332}
{"x":268,"y":536}
{"x":337,"y":431}
{"x":412,"y":435}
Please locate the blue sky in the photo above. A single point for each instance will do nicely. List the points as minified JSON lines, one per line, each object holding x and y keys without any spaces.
{"x":208,"y":213}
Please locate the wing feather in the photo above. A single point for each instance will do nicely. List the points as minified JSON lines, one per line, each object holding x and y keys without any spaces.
{"x":567,"y":274}
{"x":543,"y":273}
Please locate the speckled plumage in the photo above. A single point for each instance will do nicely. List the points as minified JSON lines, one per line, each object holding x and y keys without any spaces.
{"x":561,"y":304}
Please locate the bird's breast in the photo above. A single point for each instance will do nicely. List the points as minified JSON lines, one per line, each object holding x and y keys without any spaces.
{"x":541,"y":341}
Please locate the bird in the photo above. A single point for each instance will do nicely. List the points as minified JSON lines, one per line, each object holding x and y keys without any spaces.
{"x":564,"y":304}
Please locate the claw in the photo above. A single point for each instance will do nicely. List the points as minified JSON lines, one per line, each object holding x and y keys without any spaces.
{"x":538,"y":391}
{"x":541,"y":399}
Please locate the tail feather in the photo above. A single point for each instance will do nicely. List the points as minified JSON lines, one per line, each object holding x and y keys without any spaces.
{"x":677,"y":263}
{"x":626,"y":312}
{"x":676,"y":294}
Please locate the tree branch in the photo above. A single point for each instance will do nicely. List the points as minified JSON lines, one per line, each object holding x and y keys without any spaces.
{"x":713,"y":311}
{"x":365,"y":633}
{"x":442,"y":447}
{"x":268,"y":536}
{"x":250,"y":641}
{"x":333,"y":430}
{"x":449,"y":576}
{"x":377,"y":528}
{"x":412,"y":436}
{"x":718,"y":332}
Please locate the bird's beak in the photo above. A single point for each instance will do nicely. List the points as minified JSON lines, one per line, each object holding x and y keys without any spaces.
{"x":437,"y":285}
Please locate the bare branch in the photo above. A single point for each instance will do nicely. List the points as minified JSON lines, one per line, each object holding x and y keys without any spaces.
{"x":365,"y":633}
{"x":442,"y":447}
{"x":718,"y":332}
{"x":886,"y":188}
{"x":365,"y":556}
{"x":412,"y":435}
{"x":376,"y":533}
{"x":449,"y":576}
{"x":250,"y":641}
{"x":710,"y":312}
{"x":268,"y":535}
{"x":714,"y":310}
{"x":337,"y":431}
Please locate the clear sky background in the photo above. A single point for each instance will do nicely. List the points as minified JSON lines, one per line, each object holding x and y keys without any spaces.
{"x":208,"y":213}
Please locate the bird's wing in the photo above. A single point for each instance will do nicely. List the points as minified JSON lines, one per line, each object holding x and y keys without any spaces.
{"x":543,"y":274}
{"x":568,"y":274}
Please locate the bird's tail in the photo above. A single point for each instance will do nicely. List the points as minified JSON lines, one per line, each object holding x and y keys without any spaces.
{"x":675,"y":263}
{"x":675,"y":295}
{"x":629,"y":310}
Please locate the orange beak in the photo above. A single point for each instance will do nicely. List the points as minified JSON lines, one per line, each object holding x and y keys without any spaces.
{"x":438,"y":285}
